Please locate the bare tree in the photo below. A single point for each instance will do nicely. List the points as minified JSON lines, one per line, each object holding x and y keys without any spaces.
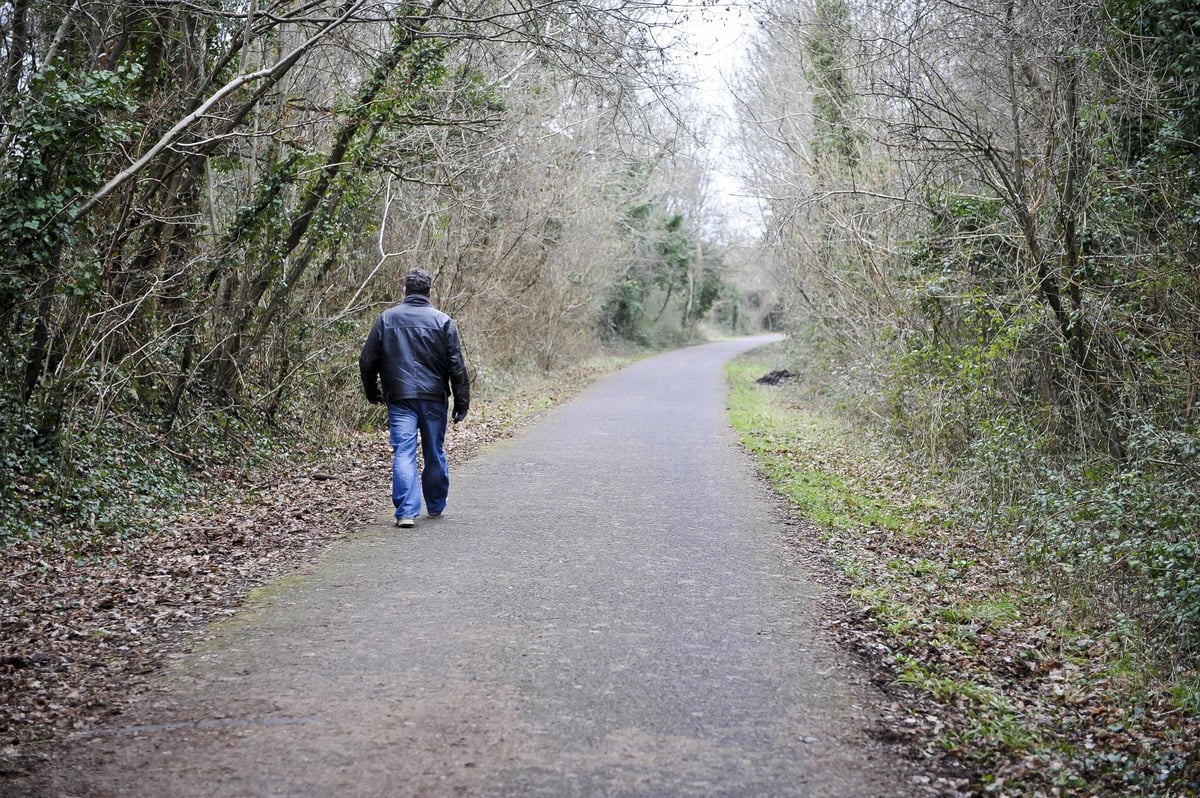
{"x":191,"y":180}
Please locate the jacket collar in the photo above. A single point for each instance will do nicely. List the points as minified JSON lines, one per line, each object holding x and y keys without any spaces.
{"x":416,"y":299}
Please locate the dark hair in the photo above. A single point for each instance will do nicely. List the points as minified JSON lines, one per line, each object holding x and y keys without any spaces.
{"x":418,"y":281}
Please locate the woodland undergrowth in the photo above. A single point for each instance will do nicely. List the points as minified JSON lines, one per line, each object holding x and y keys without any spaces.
{"x":1012,"y":680}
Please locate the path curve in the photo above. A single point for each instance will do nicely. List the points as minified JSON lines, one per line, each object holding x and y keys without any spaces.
{"x":607,"y":608}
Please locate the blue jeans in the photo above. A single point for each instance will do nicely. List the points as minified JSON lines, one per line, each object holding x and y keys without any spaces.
{"x":405,"y":420}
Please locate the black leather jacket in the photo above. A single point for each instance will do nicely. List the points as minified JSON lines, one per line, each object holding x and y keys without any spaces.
{"x":414,"y":351}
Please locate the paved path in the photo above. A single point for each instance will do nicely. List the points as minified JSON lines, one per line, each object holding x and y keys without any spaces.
{"x":607,"y":609}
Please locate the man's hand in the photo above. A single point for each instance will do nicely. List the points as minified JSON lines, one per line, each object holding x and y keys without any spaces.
{"x":458,"y":416}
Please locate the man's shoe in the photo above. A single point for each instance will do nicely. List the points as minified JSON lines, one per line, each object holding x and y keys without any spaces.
{"x":435,"y":515}
{"x":406,"y":523}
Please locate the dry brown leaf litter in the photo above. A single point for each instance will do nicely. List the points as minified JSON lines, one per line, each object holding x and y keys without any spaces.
{"x":81,"y":632}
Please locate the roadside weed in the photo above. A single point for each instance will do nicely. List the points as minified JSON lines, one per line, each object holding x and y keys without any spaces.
{"x":1003,"y":672}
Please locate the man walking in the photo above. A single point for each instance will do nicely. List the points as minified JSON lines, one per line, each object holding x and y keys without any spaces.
{"x":414,"y":351}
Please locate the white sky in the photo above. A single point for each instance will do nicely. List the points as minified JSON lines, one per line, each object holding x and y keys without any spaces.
{"x":716,"y":38}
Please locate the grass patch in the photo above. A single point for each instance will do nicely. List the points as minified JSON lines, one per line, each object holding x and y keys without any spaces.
{"x":804,"y":454}
{"x":999,"y":611}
